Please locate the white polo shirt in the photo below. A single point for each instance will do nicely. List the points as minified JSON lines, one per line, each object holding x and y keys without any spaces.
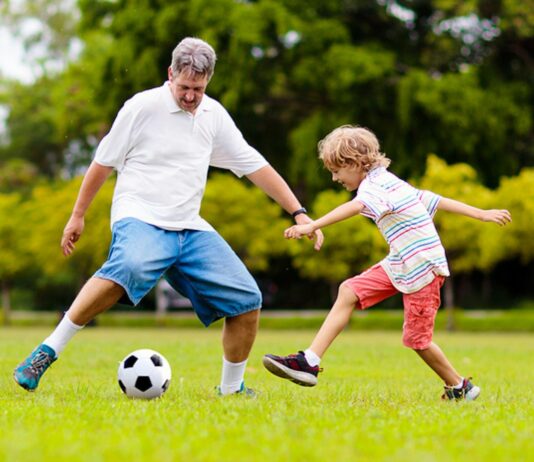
{"x":162,"y":155}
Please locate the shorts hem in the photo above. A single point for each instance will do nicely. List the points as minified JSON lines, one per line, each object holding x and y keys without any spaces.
{"x":419,"y":345}
{"x":132,"y":300}
{"x":218,"y":315}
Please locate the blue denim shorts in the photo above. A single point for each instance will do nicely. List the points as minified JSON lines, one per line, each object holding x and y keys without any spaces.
{"x":198,"y":264}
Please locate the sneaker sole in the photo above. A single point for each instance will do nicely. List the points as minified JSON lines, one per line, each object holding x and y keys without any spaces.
{"x":23,"y":385}
{"x":472,"y":394}
{"x":304,"y":379}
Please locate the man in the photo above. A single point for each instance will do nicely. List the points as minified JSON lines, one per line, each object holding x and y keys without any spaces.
{"x":162,"y":144}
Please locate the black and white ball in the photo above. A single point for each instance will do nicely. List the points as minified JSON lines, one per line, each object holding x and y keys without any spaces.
{"x":144,"y":374}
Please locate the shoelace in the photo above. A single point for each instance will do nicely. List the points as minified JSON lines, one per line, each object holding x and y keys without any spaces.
{"x":457,"y":393}
{"x":39,"y":362}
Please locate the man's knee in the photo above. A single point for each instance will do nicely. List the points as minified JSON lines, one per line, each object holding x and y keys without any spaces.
{"x":246,"y":322}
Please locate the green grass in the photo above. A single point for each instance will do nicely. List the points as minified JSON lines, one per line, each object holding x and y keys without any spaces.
{"x":509,"y":320}
{"x":375,"y":401}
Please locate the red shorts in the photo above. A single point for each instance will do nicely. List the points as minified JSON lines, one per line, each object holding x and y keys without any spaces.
{"x":420,"y":308}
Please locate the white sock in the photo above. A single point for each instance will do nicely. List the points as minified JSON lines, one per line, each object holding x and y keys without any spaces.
{"x":64,"y":331}
{"x":460,"y":384}
{"x":232,"y":376}
{"x":312,"y":358}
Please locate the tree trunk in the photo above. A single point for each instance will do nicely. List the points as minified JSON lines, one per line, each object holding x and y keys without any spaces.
{"x":486,"y":289}
{"x":6,"y":303}
{"x":448,"y":302}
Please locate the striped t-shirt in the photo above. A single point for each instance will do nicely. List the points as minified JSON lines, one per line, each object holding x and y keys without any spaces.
{"x":404,"y":216}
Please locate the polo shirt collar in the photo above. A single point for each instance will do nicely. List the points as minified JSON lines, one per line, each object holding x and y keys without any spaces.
{"x":172,"y":105}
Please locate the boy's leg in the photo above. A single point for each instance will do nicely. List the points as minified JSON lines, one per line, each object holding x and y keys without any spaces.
{"x":297,"y":367}
{"x":362,"y":291}
{"x":439,"y":363}
{"x":420,"y":309}
{"x":336,"y":321}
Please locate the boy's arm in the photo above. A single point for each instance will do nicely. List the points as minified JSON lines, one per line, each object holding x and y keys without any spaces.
{"x":344,"y":211}
{"x":501,"y":217}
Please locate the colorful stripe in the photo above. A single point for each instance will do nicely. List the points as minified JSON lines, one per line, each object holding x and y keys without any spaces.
{"x":403,"y":215}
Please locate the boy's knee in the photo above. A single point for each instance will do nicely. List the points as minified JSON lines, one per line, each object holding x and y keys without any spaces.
{"x":416,"y":341}
{"x":346,"y":293}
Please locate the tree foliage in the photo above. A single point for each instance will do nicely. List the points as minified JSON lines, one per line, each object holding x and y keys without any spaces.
{"x":247,"y":219}
{"x":440,"y":76}
{"x":449,"y":77}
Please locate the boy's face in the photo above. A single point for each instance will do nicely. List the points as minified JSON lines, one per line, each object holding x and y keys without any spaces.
{"x":349,"y":176}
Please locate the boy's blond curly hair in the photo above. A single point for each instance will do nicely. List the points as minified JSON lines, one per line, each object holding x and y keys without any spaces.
{"x":351,"y":145}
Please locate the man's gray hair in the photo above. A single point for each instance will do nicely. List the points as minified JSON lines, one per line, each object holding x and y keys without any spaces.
{"x":194,"y":56}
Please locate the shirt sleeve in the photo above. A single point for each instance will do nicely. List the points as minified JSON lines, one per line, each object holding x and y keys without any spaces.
{"x":375,"y":201}
{"x":430,"y":200}
{"x":230,"y":149}
{"x":113,"y":148}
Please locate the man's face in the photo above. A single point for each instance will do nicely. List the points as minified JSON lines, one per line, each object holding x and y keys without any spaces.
{"x":350,"y":177}
{"x":187,"y":89}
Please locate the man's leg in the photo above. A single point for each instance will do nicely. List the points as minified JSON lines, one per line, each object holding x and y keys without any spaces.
{"x":95,"y":297}
{"x":239,"y":333}
{"x":212,"y":276}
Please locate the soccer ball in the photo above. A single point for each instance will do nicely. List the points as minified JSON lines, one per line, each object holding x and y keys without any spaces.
{"x":144,"y":374}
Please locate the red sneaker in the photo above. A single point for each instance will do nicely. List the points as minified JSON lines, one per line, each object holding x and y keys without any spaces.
{"x":293,"y":367}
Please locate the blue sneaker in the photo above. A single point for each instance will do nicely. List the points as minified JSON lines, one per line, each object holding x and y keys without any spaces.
{"x":243,"y":391}
{"x":28,"y":373}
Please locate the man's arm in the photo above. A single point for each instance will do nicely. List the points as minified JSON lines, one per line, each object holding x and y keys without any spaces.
{"x":268,"y":179}
{"x":94,"y":179}
{"x":501,"y":217}
{"x":344,"y":211}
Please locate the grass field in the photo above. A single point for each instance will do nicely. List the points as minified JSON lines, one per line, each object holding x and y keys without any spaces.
{"x":375,"y":401}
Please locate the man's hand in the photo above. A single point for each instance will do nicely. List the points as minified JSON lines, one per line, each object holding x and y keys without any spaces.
{"x":72,"y":232}
{"x":501,"y":217}
{"x":305,"y":227}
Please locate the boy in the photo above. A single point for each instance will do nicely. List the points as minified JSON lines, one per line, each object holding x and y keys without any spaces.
{"x":416,"y":265}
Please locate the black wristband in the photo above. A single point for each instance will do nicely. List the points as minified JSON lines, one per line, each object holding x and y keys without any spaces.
{"x":298,"y":212}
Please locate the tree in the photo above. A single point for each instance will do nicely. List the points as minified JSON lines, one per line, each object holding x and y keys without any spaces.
{"x":45,"y":215}
{"x":247,"y":219}
{"x":517,"y":195}
{"x":14,"y":257}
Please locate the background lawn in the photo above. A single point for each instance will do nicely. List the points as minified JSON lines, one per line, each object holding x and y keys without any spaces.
{"x":375,"y":401}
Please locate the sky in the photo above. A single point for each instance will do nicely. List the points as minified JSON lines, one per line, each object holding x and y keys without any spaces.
{"x":11,"y":58}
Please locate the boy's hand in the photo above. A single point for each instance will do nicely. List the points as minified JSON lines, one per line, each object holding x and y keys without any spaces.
{"x":501,"y":217}
{"x":297,"y":231}
{"x":315,"y":234}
